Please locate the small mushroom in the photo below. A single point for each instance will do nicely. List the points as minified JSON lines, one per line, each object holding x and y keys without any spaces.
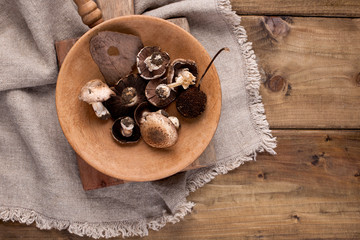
{"x":192,"y":102}
{"x":159,"y":94}
{"x":95,"y":92}
{"x":152,"y":62}
{"x":130,"y":92}
{"x":182,"y":72}
{"x":124,"y":130}
{"x":158,"y":131}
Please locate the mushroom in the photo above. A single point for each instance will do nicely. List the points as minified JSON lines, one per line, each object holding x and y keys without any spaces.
{"x":152,"y":62}
{"x":115,"y":54}
{"x":142,"y":110}
{"x":95,"y":92}
{"x":159,"y":94}
{"x":192,"y":102}
{"x":124,"y":130}
{"x":158,"y":131}
{"x":130,"y":92}
{"x":182,"y":72}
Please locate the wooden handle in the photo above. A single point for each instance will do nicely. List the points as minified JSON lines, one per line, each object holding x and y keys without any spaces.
{"x":91,"y":15}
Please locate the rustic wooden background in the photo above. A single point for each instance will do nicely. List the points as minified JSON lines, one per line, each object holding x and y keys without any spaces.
{"x":309,"y":54}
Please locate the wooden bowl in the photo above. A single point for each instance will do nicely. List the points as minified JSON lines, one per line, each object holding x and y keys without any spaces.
{"x":90,"y":137}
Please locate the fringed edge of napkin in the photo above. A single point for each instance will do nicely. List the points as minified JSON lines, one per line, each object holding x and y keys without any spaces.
{"x":140,"y":228}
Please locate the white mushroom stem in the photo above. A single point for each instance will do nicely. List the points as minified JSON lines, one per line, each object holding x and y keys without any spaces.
{"x":175,"y":121}
{"x":184,"y":78}
{"x":100,"y":110}
{"x":127,"y":126}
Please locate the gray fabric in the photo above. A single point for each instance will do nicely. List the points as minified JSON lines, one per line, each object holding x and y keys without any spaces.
{"x":38,"y":167}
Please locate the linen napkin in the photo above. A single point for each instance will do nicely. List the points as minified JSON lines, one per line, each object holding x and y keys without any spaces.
{"x":39,"y":178}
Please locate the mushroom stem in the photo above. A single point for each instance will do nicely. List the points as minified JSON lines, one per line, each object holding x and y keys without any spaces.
{"x":212,"y":60}
{"x":184,"y":78}
{"x":174,"y":85}
{"x":100,"y":110}
{"x":127,"y":126}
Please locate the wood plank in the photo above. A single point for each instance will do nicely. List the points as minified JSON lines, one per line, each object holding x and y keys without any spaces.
{"x":310,"y":190}
{"x":310,"y":69}
{"x":338,"y":8}
{"x":115,"y":8}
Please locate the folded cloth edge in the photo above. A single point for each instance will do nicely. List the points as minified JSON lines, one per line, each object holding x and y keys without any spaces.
{"x":140,"y":228}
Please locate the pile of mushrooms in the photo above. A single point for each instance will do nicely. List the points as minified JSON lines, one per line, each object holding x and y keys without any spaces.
{"x":140,"y":83}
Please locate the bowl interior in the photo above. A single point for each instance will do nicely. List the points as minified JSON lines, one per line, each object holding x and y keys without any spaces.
{"x":91,"y":138}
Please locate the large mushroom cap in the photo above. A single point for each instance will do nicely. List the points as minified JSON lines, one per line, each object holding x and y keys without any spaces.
{"x":130,"y":92}
{"x":158,"y":131}
{"x":115,"y":54}
{"x":155,"y":94}
{"x":152,"y":62}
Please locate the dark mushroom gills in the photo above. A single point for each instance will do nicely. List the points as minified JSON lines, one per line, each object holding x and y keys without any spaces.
{"x":130,"y":92}
{"x":159,"y":94}
{"x":124,"y":130}
{"x":151,"y":62}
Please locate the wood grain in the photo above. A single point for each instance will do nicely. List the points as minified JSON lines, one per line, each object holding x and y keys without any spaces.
{"x":338,"y":8}
{"x":115,"y":8}
{"x":310,"y":69}
{"x":310,"y":190}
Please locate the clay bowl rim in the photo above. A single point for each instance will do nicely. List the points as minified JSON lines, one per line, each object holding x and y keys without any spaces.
{"x":72,"y":141}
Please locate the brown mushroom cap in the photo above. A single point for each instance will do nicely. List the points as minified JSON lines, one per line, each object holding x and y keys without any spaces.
{"x":154,"y":57}
{"x":158,"y":131}
{"x":115,"y":54}
{"x":119,"y":137}
{"x":177,"y":65}
{"x":191,"y":103}
{"x":154,"y":97}
{"x":130,"y":92}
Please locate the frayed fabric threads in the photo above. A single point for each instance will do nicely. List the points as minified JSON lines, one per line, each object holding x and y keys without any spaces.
{"x":96,"y":230}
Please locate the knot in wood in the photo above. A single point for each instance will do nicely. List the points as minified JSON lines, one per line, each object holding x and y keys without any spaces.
{"x":277,"y":26}
{"x":276,"y":83}
{"x":357,"y":79}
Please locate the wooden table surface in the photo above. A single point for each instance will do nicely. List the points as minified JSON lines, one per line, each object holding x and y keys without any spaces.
{"x":309,"y":55}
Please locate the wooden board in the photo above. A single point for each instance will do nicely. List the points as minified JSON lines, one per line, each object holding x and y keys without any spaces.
{"x":115,"y":8}
{"x":310,"y":190}
{"x":338,"y":8}
{"x":310,"y":69}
